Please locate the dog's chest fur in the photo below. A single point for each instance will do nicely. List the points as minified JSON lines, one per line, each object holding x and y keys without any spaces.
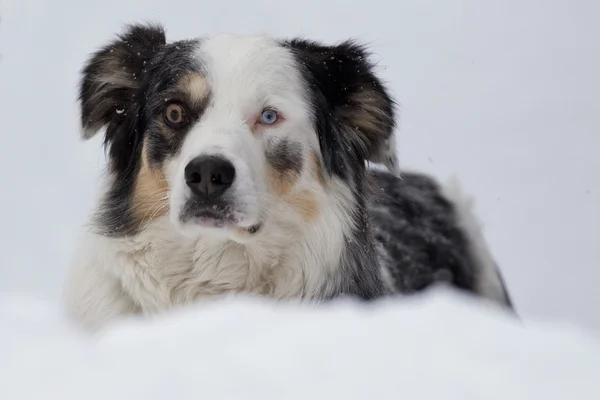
{"x":159,"y":269}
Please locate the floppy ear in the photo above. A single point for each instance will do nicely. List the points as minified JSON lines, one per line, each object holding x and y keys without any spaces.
{"x":387,"y":154}
{"x":353,"y":108}
{"x":112,"y":78}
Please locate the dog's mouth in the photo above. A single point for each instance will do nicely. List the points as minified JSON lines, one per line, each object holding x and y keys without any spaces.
{"x":210,"y":220}
{"x":217,"y":217}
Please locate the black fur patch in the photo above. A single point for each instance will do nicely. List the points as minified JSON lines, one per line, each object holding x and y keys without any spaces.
{"x":111,"y":87}
{"x":163,"y":141}
{"x":286,"y":157}
{"x":418,"y":230}
{"x":353,"y":112}
{"x":124,"y":88}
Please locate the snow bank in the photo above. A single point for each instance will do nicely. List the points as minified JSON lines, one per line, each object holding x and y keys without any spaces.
{"x":438,"y":346}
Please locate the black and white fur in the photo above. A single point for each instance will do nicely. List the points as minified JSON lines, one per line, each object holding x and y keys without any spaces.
{"x":303,"y":217}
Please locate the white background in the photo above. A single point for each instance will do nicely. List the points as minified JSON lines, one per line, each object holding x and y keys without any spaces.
{"x":502,"y":94}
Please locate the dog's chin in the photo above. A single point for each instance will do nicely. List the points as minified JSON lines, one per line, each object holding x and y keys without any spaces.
{"x":201,"y":224}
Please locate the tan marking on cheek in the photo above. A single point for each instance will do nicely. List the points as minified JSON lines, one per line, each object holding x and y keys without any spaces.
{"x":281,"y":183}
{"x":195,"y":86}
{"x":305,"y":203}
{"x":151,"y":193}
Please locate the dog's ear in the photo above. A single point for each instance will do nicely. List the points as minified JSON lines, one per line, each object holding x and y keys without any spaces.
{"x":112,"y":77}
{"x":353,"y":108}
{"x":387,"y":154}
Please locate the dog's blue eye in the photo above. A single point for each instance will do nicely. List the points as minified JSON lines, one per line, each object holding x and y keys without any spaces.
{"x":268,"y":117}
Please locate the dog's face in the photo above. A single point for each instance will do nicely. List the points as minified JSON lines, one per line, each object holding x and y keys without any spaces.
{"x":242,"y":124}
{"x":219,"y":132}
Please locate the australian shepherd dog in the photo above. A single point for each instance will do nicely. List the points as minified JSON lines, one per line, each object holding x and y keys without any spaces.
{"x":243,"y":164}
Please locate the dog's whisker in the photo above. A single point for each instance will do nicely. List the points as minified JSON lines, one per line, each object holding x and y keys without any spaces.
{"x":155,"y":208}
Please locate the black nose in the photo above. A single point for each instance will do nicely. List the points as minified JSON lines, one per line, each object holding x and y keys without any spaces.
{"x":209,"y":176}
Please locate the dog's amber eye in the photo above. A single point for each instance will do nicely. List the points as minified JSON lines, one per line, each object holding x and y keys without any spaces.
{"x":175,"y":115}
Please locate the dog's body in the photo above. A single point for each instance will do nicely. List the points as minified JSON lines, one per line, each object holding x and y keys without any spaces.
{"x":237,"y":165}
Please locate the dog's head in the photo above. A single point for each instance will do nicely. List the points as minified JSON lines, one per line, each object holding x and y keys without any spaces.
{"x":217,"y":132}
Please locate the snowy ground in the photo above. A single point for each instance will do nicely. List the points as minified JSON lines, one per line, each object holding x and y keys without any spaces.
{"x":502,"y":94}
{"x":436,"y":347}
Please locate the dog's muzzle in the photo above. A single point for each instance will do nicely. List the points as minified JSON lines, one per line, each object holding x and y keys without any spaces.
{"x":211,"y":203}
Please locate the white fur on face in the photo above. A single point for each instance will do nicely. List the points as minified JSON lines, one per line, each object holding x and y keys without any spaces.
{"x":244,"y":75}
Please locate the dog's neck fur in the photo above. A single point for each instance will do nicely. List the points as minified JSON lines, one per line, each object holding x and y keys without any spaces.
{"x":159,"y":268}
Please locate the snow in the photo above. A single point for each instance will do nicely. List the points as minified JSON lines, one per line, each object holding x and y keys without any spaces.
{"x":502,"y":95}
{"x":438,"y":346}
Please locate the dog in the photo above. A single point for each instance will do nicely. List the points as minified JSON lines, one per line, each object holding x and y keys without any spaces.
{"x":242,"y":165}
